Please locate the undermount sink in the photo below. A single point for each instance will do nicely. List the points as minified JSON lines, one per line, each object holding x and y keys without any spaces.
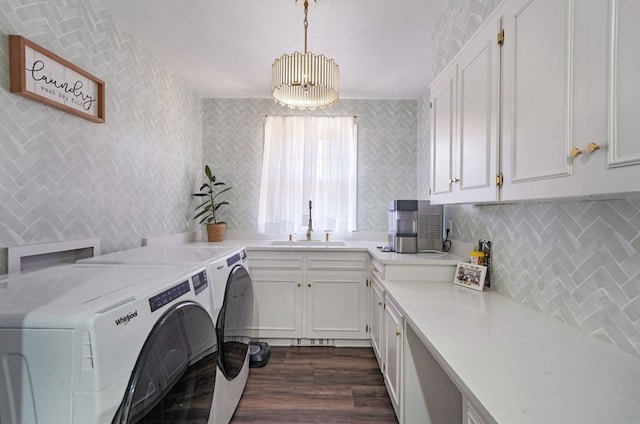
{"x":318,"y":243}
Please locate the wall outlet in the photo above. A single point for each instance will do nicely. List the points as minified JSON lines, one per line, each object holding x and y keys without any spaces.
{"x":450,"y":228}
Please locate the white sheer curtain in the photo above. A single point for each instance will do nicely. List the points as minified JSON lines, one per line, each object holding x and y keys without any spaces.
{"x":308,"y":158}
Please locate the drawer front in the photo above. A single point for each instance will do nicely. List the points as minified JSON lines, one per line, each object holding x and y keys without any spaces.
{"x":377,"y":270}
{"x":259,"y":259}
{"x":354,"y":261}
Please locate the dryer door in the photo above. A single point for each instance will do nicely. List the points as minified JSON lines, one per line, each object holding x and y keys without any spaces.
{"x":160,"y":389}
{"x":234,"y":322}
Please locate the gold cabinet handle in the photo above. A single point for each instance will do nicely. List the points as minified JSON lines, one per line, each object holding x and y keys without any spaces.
{"x":575,"y":152}
{"x":592,"y":147}
{"x":454,"y":180}
{"x":398,"y":333}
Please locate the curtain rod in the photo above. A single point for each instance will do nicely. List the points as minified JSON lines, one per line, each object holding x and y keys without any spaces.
{"x":355,"y":117}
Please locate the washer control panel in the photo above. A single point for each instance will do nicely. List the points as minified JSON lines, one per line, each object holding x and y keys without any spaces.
{"x":200,"y":281}
{"x":158,"y":301}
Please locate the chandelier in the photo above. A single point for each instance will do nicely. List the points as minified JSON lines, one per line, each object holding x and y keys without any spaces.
{"x":305,"y":81}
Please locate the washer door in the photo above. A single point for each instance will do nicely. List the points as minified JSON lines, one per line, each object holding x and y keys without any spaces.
{"x":234,"y":322}
{"x":160,"y":389}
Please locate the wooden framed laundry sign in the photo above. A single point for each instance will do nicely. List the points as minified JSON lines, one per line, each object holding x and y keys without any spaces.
{"x":38,"y":74}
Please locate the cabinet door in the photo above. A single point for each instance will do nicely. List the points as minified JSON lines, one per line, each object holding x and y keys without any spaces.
{"x":277,"y":303}
{"x":377,"y":309}
{"x":477,"y":141}
{"x":465,"y":117}
{"x":335,"y":305}
{"x":536,"y":101}
{"x":393,"y":352}
{"x":443,"y":101}
{"x":471,"y":415}
{"x":615,"y":167}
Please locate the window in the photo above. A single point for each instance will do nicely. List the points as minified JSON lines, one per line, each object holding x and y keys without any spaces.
{"x":308,"y":158}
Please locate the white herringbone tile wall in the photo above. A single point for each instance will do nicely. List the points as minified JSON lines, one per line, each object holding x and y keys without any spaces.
{"x":576,"y":261}
{"x":65,"y":178}
{"x":424,"y":146}
{"x":233,"y":139}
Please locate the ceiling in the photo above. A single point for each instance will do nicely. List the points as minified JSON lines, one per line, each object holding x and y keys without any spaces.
{"x":225,"y":48}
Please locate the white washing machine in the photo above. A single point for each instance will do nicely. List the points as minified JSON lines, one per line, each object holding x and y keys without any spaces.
{"x":86,"y":343}
{"x":231,"y":310}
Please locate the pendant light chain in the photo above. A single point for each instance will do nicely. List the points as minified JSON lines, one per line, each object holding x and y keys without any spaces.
{"x":306,"y":24}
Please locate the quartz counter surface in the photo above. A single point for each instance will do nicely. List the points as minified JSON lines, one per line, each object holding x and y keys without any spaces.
{"x":385,"y":258}
{"x":520,"y":365}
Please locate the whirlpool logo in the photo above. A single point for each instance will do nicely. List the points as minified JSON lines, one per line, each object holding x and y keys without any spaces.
{"x":125,"y":319}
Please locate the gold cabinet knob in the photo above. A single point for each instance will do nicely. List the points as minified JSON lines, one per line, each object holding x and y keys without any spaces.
{"x":454,"y":180}
{"x":398,"y":333}
{"x":299,"y":285}
{"x":308,"y":285}
{"x":592,"y":147}
{"x":575,"y":152}
{"x":379,"y":303}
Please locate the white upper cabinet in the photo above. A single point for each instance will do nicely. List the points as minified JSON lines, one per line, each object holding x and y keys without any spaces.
{"x":614,"y":167}
{"x":443,"y":102}
{"x":536,"y":101}
{"x":569,"y":105}
{"x":464,"y":116}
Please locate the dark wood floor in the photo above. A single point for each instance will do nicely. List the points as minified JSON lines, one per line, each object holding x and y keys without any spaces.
{"x":316,"y":385}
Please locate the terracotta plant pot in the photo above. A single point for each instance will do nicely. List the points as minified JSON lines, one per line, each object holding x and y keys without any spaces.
{"x":215,"y":232}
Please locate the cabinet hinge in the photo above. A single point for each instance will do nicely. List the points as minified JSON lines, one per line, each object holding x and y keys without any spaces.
{"x":499,"y":179}
{"x":501,"y":37}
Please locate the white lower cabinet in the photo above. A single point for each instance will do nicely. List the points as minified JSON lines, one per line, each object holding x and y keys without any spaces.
{"x":392,"y":369}
{"x":277,"y":303}
{"x":376,"y":307}
{"x":471,"y":414}
{"x":308,"y":295}
{"x":335,"y":305}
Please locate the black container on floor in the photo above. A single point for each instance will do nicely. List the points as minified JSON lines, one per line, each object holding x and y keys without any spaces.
{"x":259,"y":353}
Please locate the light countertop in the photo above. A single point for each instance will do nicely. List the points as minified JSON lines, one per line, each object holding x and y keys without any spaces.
{"x":371,"y":247}
{"x":519,"y":364}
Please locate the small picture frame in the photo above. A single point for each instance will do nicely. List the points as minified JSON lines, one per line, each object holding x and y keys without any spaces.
{"x":470,"y":275}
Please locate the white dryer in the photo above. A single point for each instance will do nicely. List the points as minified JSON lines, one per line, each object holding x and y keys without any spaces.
{"x":86,"y":343}
{"x":231,"y":309}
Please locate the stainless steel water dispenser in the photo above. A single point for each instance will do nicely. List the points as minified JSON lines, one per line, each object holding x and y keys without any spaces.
{"x":414,"y":226}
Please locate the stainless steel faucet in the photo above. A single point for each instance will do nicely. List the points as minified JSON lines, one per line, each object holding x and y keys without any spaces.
{"x":310,"y":227}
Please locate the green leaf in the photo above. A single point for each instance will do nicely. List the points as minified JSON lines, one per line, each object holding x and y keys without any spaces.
{"x":202,"y":212}
{"x":217,"y":206}
{"x":207,"y":171}
{"x":201,"y":205}
{"x":200,"y":194}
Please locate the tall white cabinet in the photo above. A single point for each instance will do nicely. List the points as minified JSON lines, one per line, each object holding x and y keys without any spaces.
{"x":568,"y":107}
{"x":464,"y":117}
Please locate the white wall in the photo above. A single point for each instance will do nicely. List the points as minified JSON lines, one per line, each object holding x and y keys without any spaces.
{"x":65,"y":178}
{"x":233,"y":140}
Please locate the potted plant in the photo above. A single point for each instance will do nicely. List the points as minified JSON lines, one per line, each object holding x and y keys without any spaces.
{"x":206,"y":211}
